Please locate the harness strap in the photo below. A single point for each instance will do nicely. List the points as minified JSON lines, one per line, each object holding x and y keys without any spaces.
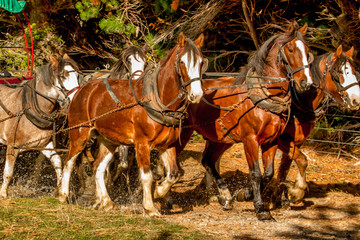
{"x":72,"y":90}
{"x":6,"y":110}
{"x":110,"y":91}
{"x":215,"y":106}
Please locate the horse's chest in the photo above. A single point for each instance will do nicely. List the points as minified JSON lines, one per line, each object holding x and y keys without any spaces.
{"x":164,"y":136}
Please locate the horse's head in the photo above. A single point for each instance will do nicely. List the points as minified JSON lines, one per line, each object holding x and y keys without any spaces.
{"x":189,"y":62}
{"x":66,"y":73}
{"x":344,"y":76}
{"x":293,"y":53}
{"x":134,"y":59}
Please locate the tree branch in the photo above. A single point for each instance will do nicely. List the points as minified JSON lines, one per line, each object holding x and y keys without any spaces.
{"x":250,"y":25}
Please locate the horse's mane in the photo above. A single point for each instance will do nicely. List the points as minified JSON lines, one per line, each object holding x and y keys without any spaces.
{"x":317,"y":74}
{"x":341,"y":61}
{"x":259,"y":59}
{"x":121,"y":66}
{"x":46,"y":72}
{"x":315,"y":68}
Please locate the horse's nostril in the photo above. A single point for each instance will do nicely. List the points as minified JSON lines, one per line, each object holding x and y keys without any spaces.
{"x":303,"y":83}
{"x":355,"y":103}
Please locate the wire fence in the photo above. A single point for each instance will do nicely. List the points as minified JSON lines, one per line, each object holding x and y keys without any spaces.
{"x":331,"y":140}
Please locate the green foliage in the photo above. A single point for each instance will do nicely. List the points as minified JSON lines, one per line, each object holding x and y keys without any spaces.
{"x":110,"y":14}
{"x":87,"y":10}
{"x":158,"y":50}
{"x":163,"y":6}
{"x":45,"y":41}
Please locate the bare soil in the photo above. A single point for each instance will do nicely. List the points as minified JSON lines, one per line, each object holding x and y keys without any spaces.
{"x":331,"y":209}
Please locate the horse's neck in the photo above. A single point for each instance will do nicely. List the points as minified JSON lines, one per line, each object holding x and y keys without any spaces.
{"x":49,"y":91}
{"x":319,"y":94}
{"x":168,"y":84}
{"x":275,"y":70}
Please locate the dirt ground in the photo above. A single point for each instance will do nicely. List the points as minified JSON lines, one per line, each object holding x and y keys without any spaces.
{"x":331,"y":209}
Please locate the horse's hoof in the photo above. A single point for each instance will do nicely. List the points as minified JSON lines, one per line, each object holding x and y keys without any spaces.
{"x":244,"y":195}
{"x":225,"y":203}
{"x":264,"y":216}
{"x":152,"y":213}
{"x":62,"y":198}
{"x":3,"y":195}
{"x":214,"y":198}
{"x":56,"y":193}
{"x":109,"y":206}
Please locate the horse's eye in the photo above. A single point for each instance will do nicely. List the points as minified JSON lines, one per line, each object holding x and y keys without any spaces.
{"x":290,"y":50}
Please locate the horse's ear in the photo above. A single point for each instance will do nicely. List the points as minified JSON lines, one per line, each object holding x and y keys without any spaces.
{"x":181,"y":40}
{"x":200,"y":41}
{"x":350,"y":53}
{"x":303,"y":29}
{"x":54,"y":61}
{"x":290,"y":29}
{"x":338,"y":52}
{"x":66,"y":56}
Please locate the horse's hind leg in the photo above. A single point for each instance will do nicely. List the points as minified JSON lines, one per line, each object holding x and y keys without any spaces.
{"x":11,"y":155}
{"x":297,"y":190}
{"x":104,"y":157}
{"x":212,"y":153}
{"x":172,"y":173}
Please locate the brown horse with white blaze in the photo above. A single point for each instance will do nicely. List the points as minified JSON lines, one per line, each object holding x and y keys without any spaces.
{"x":334,"y":76}
{"x":254,"y":113}
{"x":93,"y":112}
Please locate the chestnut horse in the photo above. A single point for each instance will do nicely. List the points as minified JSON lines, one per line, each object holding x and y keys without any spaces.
{"x":334,"y":76}
{"x":250,"y":113}
{"x":132,"y":65}
{"x":28,"y":112}
{"x":142,"y":118}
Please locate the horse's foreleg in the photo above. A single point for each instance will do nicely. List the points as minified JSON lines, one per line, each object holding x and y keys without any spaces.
{"x":212,"y":153}
{"x":104,"y":157}
{"x":11,"y":155}
{"x":77,"y":144}
{"x":55,"y":160}
{"x":142,"y":150}
{"x":251,"y":148}
{"x":172,"y":172}
{"x":268,"y":155}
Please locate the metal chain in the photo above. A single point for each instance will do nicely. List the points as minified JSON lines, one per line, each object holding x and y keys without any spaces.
{"x":13,"y":115}
{"x":118,"y":108}
{"x":219,"y":120}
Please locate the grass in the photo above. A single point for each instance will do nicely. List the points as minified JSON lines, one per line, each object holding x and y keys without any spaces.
{"x":45,"y":218}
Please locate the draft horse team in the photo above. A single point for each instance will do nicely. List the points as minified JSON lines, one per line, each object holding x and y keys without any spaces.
{"x":271,"y":104}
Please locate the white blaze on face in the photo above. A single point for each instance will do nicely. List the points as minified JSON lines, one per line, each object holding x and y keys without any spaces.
{"x":350,"y":78}
{"x":137,"y":66}
{"x":71,"y":81}
{"x":193,"y":71}
{"x":301,"y":46}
